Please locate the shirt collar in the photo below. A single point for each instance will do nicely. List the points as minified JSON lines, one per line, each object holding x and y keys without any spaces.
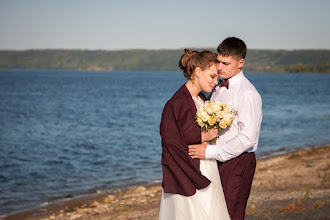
{"x":236,"y":78}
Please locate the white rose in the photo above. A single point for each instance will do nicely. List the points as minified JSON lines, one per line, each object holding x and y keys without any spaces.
{"x":216,"y":108}
{"x":204,"y":116}
{"x":230,"y":115}
{"x":226,"y":109}
{"x":209,"y":109}
{"x":221,"y":114}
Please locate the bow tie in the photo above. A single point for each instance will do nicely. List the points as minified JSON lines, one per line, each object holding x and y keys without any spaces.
{"x":224,"y":83}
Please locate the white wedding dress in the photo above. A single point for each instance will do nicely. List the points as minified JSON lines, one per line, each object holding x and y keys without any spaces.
{"x":206,"y":204}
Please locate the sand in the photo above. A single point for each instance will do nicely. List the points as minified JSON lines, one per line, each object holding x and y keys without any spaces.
{"x":291,"y":186}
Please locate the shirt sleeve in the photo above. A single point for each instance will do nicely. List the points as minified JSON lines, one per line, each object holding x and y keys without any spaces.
{"x":249,"y":121}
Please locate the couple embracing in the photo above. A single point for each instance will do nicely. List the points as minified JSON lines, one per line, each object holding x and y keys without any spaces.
{"x":204,"y":181}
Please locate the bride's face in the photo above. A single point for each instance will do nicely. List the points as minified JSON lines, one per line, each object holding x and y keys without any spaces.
{"x":207,"y":78}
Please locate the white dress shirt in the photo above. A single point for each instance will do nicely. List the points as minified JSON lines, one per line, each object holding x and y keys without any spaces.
{"x":243,"y":134}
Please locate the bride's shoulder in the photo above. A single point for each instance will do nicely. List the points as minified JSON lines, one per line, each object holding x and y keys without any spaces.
{"x":176,"y":100}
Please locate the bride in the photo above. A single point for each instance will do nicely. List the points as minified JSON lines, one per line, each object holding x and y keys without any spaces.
{"x":191,"y":187}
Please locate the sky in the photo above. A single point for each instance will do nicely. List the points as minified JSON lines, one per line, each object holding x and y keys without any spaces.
{"x":163,"y":24}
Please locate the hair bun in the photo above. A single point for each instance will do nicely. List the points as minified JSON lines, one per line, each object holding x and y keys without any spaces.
{"x":185,"y":57}
{"x":191,"y":59}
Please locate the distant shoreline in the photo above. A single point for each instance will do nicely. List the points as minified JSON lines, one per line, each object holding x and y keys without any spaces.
{"x":274,"y":61}
{"x":113,"y":71}
{"x":267,"y":168}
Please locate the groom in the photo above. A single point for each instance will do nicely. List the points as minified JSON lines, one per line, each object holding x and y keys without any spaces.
{"x":235,"y":146}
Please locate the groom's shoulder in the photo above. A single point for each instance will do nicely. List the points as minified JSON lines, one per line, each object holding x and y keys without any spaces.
{"x":247,"y":86}
{"x":247,"y":89}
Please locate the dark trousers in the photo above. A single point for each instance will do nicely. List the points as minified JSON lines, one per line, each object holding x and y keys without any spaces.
{"x":236,"y":178}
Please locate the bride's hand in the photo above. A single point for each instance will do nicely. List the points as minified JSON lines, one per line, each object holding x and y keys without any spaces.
{"x":210,"y":134}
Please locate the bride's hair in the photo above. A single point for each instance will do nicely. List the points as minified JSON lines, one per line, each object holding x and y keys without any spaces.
{"x":192,"y":59}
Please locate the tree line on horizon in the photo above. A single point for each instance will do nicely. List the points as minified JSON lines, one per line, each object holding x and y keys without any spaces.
{"x":276,"y":61}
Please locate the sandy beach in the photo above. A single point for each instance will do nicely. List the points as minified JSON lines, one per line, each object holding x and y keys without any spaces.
{"x":295,"y":185}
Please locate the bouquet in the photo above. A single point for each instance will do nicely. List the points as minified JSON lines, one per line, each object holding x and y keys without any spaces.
{"x":213,"y":114}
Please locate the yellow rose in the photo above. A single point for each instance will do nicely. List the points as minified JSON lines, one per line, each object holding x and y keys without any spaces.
{"x":223,"y":124}
{"x":228,"y":122}
{"x":212,"y":120}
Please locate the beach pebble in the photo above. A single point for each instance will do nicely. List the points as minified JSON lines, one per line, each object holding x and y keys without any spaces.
{"x":141,"y":188}
{"x":75,"y":216}
{"x":94,"y":204}
{"x":107,"y":200}
{"x":112,"y":197}
{"x":80,"y":210}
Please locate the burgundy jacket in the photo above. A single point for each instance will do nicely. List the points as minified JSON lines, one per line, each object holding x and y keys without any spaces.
{"x":181,"y":174}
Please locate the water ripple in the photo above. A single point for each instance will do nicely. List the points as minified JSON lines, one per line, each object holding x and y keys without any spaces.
{"x":67,"y":133}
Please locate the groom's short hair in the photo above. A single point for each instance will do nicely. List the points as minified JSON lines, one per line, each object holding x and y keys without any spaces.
{"x":232,"y":46}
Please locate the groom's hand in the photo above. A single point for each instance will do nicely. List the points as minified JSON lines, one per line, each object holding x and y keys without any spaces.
{"x":197,"y":150}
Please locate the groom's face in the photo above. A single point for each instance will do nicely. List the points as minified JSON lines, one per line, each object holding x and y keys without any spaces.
{"x":228,"y":66}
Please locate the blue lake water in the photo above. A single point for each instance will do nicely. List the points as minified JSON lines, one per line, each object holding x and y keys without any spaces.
{"x":71,"y":133}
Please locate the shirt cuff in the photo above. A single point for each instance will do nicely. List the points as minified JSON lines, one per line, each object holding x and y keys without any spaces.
{"x":211,"y":152}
